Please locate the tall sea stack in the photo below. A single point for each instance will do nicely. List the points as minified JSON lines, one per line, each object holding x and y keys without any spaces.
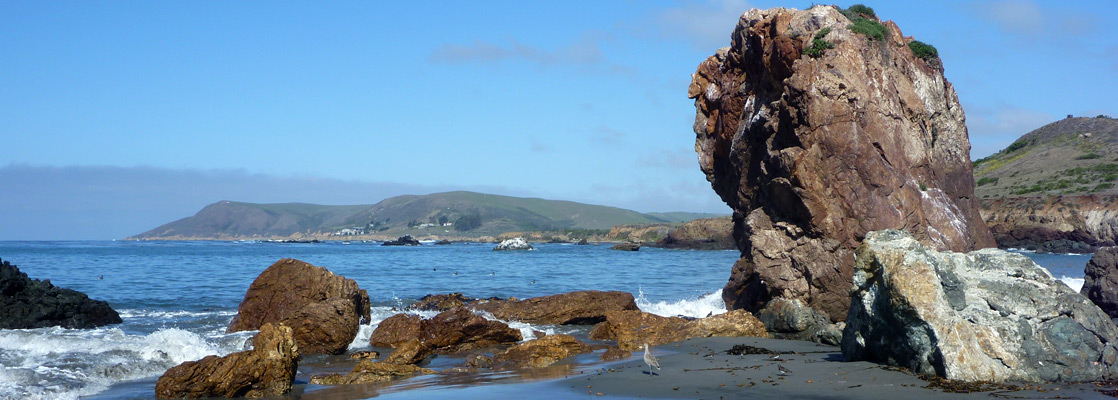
{"x":817,"y":130}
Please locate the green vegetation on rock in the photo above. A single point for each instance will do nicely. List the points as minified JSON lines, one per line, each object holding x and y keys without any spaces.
{"x":923,"y":50}
{"x":864,"y":21}
{"x":987,"y":180}
{"x":818,"y":45}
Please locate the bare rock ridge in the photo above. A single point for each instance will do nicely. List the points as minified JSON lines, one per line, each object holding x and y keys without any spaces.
{"x":812,"y":153}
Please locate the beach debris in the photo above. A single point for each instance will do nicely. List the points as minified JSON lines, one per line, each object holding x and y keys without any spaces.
{"x":650,"y":360}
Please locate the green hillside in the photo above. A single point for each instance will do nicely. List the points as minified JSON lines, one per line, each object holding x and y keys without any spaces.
{"x":1073,"y":156}
{"x":460,"y":213}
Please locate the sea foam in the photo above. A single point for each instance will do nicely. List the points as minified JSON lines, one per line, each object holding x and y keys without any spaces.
{"x":702,"y":306}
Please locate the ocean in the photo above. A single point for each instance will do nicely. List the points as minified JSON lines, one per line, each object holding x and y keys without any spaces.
{"x":176,"y":298}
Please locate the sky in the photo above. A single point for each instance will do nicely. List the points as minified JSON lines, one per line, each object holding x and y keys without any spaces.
{"x":119,"y":116}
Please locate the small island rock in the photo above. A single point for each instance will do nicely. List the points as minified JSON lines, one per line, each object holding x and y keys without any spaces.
{"x":27,"y":303}
{"x":406,"y":240}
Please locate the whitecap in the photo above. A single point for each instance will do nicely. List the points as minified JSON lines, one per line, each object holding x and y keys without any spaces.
{"x":707,"y":304}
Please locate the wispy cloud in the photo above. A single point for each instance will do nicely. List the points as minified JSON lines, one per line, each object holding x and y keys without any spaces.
{"x":707,"y":25}
{"x":992,"y":129}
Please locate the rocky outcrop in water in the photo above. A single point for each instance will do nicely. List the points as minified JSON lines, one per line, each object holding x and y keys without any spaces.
{"x":626,"y":246}
{"x":27,"y":303}
{"x":540,"y":352}
{"x":1100,"y":283}
{"x":812,"y":153}
{"x":633,"y":328}
{"x":585,"y":307}
{"x":449,"y":332}
{"x":406,"y":240}
{"x":1057,"y":224}
{"x":324,"y":309}
{"x":701,"y":234}
{"x":987,"y":315}
{"x":265,"y":371}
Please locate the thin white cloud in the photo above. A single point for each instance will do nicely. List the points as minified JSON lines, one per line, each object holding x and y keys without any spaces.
{"x":707,"y":25}
{"x":992,"y":129}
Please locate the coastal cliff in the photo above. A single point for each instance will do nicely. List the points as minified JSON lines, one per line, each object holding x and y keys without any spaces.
{"x":1056,"y":224}
{"x":816,"y":130}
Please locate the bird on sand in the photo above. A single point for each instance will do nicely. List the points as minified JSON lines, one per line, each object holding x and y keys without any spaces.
{"x":650,"y":360}
{"x":782,"y":370}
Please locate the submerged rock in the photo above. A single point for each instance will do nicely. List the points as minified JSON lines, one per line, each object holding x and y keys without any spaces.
{"x":513,"y":244}
{"x":324,"y":309}
{"x":585,"y":307}
{"x":626,"y":246}
{"x":27,"y":303}
{"x":1100,"y":283}
{"x":813,"y":153}
{"x":265,"y":371}
{"x":541,"y":352}
{"x":987,"y":315}
{"x":631,"y":329}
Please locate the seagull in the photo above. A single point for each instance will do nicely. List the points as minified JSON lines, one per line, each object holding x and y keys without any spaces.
{"x":782,"y":370}
{"x":650,"y":360}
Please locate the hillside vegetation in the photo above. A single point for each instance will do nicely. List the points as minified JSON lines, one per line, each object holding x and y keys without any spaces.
{"x":1073,"y":156}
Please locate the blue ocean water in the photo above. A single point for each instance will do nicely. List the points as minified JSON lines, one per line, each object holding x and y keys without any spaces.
{"x":176,"y":298}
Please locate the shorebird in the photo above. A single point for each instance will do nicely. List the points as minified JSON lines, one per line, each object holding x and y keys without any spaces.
{"x":782,"y":370}
{"x":650,"y":360}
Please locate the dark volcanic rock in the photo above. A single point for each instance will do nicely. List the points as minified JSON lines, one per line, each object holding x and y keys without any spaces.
{"x":405,"y":240}
{"x":1100,"y":284}
{"x":324,"y":309}
{"x":27,"y":303}
{"x":701,"y":234}
{"x":987,"y":315}
{"x":813,"y":153}
{"x":266,"y":370}
{"x":575,"y":308}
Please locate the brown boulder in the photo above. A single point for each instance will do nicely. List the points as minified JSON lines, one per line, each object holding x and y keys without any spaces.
{"x":266,"y":370}
{"x":1100,"y":284}
{"x":614,"y":353}
{"x":814,"y":153}
{"x":370,"y":372}
{"x":461,"y":330}
{"x":324,"y":309}
{"x":574,"y":308}
{"x":541,"y":352}
{"x":395,"y":330}
{"x":631,"y":329}
{"x":626,"y":246}
{"x":701,"y":234}
{"x":410,"y":352}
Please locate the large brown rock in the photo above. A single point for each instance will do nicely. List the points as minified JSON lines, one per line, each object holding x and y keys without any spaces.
{"x":574,"y":308}
{"x":1100,"y":283}
{"x":266,"y":370}
{"x":370,"y":372}
{"x":701,"y":234}
{"x":324,"y":309}
{"x":541,"y":352}
{"x":813,"y":153}
{"x":449,"y":332}
{"x":631,"y":329}
{"x":395,"y":330}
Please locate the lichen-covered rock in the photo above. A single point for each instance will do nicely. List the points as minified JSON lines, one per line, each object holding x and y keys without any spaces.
{"x":371,"y":372}
{"x":541,"y":352}
{"x":585,"y":307}
{"x":813,"y":153}
{"x":265,"y":371}
{"x":633,"y":328}
{"x":513,"y":244}
{"x":791,"y":319}
{"x":1100,"y":283}
{"x":27,"y":303}
{"x":324,"y":309}
{"x":986,"y":315}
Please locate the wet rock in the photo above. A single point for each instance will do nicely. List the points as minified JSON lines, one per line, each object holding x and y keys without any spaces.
{"x":615,"y":353}
{"x":626,"y":246}
{"x":395,"y":330}
{"x":631,"y":329}
{"x":364,"y":355}
{"x":410,"y":352}
{"x":27,"y":303}
{"x":987,"y":315}
{"x":443,"y":242}
{"x":513,"y":244}
{"x":406,"y":240}
{"x":541,"y":352}
{"x":480,"y":361}
{"x":813,"y":153}
{"x":324,"y":309}
{"x":1100,"y":283}
{"x":791,"y":319}
{"x":583,"y":242}
{"x":371,"y":372}
{"x":266,"y":370}
{"x":461,"y":330}
{"x":575,"y":308}
{"x":441,"y":302}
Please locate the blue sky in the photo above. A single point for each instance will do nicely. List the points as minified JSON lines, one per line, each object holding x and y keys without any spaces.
{"x":180,"y":104}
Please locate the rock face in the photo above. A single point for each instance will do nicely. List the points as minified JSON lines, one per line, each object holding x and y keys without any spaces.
{"x":1058,"y":224}
{"x":541,"y":352}
{"x":323,"y":309}
{"x":449,"y":332}
{"x":1100,"y":284}
{"x":701,"y":234}
{"x":575,"y":308}
{"x":986,"y":315}
{"x":266,"y":370}
{"x":27,"y":303}
{"x":405,"y":240}
{"x":793,"y":320}
{"x":813,"y":153}
{"x":513,"y":244}
{"x":395,"y":330}
{"x":632,"y":328}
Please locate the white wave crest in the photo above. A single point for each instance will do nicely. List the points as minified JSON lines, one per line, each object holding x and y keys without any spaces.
{"x":1075,"y":284}
{"x":707,"y":304}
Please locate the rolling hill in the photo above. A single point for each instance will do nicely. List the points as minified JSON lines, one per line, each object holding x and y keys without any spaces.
{"x":461,"y":213}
